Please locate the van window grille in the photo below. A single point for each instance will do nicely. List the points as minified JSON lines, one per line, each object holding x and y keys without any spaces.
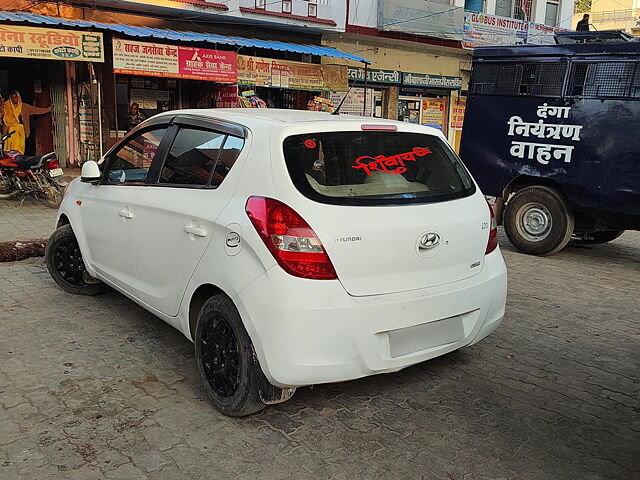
{"x":531,"y":78}
{"x":605,"y":79}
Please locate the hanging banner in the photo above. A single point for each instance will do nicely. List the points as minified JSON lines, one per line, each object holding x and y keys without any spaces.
{"x":434,"y":112}
{"x":158,"y":60}
{"x":540,"y":34}
{"x":482,"y":29}
{"x":457,"y":116}
{"x":419,"y":17}
{"x":267,"y":72}
{"x":50,"y":44}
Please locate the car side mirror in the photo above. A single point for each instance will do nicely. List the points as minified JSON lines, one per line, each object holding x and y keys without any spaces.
{"x":90,"y":172}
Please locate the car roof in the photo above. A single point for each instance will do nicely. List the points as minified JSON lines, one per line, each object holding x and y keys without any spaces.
{"x":274,"y":116}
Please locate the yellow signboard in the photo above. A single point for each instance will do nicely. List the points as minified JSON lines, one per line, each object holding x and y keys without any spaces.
{"x":267,"y":72}
{"x":50,"y":44}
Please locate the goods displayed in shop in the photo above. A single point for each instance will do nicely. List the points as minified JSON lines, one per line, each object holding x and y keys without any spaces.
{"x":319,"y":104}
{"x":249,"y":99}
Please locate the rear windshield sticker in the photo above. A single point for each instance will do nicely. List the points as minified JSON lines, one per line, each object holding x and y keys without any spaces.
{"x":380,"y":162}
{"x":310,"y":143}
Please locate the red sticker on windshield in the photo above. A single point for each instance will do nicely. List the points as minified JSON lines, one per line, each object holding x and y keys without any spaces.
{"x":310,"y":143}
{"x":380,"y":162}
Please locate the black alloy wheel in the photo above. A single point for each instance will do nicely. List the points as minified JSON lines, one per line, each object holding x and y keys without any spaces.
{"x":227,"y":364}
{"x":220,"y":358}
{"x":66,"y":266}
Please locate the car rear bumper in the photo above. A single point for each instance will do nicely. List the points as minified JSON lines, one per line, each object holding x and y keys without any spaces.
{"x":310,"y":331}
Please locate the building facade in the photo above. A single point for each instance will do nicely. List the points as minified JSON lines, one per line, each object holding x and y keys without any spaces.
{"x":615,"y":15}
{"x":421,"y":52}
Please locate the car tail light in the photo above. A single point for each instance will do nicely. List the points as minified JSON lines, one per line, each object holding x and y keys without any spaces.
{"x":290,"y":239}
{"x":377,"y":127}
{"x":51,"y":164}
{"x":493,"y":232}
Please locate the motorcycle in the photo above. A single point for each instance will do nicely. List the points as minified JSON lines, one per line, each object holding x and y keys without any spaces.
{"x":39,"y":175}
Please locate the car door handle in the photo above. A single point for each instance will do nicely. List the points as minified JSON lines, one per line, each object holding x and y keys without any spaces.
{"x":124,"y":213}
{"x":196,"y":231}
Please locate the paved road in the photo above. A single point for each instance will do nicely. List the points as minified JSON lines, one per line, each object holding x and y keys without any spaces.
{"x":98,"y":388}
{"x":28,"y":220}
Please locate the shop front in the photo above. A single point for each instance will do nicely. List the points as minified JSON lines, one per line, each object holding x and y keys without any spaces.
{"x":426,"y":99}
{"x":288,"y":84}
{"x":151,"y":78}
{"x":40,"y":65}
{"x":373,"y":97}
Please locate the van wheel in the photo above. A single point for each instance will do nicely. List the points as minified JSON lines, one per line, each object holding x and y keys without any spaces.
{"x":596,"y":238}
{"x":538,"y":221}
{"x":66,"y":266}
{"x":227,"y":365}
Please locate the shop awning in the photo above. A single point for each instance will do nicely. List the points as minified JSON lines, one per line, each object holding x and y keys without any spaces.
{"x":180,"y":36}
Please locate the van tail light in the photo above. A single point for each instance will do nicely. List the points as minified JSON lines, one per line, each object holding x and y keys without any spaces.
{"x":290,"y":239}
{"x":493,"y":232}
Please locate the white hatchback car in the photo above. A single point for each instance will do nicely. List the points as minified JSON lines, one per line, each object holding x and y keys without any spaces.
{"x":292,"y":248}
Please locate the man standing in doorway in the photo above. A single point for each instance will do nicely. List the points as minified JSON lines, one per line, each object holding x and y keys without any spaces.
{"x":135,"y":118}
{"x":583,"y":25}
{"x":16,"y":119}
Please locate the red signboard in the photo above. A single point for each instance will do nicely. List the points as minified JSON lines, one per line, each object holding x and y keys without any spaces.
{"x":205,"y":64}
{"x":158,"y":60}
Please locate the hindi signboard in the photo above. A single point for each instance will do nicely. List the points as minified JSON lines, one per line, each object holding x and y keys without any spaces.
{"x":50,"y":44}
{"x":427,"y":80}
{"x":267,"y":72}
{"x":482,"y":29}
{"x":158,"y":60}
{"x":354,"y":104}
{"x":375,"y":75}
{"x":420,"y":17}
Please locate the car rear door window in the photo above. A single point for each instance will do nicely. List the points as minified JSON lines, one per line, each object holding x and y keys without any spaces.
{"x":375,"y":168}
{"x":130,"y":163}
{"x":228,"y":156}
{"x":192,"y":157}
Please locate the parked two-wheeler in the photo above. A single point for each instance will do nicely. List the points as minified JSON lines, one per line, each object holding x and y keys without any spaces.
{"x":23,"y":175}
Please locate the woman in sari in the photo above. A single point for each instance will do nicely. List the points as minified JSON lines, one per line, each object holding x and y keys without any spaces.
{"x":16,"y":119}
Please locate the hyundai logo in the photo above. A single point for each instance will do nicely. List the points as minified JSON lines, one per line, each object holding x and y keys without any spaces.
{"x":429,"y":240}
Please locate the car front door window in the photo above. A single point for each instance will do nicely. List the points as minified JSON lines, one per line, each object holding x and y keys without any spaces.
{"x":130,"y":163}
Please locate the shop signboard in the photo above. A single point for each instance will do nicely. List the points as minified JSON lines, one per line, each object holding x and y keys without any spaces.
{"x":481,"y":29}
{"x":375,"y":75}
{"x":355,"y":101}
{"x":267,"y":72}
{"x":434,"y":112}
{"x":457,"y":116}
{"x":158,"y":60}
{"x":50,"y":44}
{"x":420,"y":17}
{"x":427,"y":80}
{"x":227,"y":97}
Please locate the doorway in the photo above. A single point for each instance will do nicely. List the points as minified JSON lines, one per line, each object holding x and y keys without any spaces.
{"x":31,"y":79}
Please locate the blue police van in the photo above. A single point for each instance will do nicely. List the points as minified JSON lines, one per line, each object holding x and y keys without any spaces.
{"x":553,"y":132}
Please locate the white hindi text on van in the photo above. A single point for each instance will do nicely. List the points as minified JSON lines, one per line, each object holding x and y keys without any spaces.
{"x":543,"y":151}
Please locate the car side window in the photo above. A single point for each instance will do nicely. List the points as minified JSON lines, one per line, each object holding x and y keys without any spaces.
{"x":130,"y":163}
{"x":192,"y":157}
{"x":228,"y":156}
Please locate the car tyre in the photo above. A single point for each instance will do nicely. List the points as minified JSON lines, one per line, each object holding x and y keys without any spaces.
{"x":538,"y":221}
{"x":66,"y":266}
{"x":227,"y":364}
{"x":605,"y":236}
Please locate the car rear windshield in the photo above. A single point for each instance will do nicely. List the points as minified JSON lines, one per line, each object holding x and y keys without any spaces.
{"x":375,"y":168}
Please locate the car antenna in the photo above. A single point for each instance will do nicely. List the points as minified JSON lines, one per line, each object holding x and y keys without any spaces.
{"x":337,"y":110}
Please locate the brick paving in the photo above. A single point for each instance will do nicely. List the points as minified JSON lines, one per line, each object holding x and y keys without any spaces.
{"x":94,"y":388}
{"x":28,"y":220}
